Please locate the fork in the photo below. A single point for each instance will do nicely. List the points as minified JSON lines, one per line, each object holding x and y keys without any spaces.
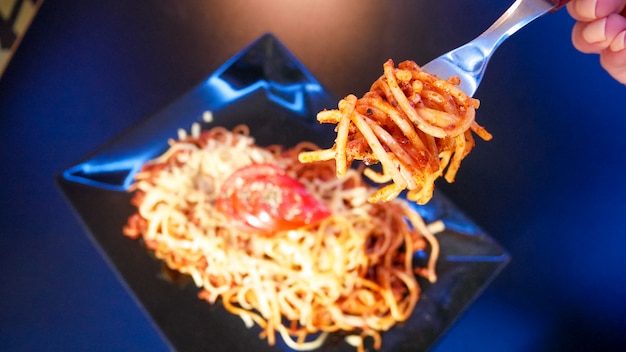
{"x":469,"y":61}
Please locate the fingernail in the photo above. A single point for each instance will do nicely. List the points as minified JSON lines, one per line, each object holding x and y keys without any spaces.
{"x":595,"y":31}
{"x":587,"y":8}
{"x":619,"y":42}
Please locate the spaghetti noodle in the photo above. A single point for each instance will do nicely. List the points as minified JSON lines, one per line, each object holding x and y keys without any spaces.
{"x":351,"y":272}
{"x":414,"y":124}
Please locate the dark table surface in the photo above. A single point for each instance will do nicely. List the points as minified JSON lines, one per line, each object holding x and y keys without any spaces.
{"x":549,"y":187}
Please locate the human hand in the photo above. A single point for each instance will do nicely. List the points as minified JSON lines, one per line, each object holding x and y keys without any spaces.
{"x":601,"y":29}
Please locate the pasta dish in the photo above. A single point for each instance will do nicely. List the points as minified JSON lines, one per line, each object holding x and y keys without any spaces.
{"x":286,"y":246}
{"x":412,"y":123}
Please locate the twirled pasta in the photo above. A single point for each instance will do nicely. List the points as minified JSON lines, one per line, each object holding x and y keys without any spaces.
{"x":413,"y":123}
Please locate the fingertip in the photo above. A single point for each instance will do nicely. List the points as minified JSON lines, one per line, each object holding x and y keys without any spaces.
{"x":595,"y":32}
{"x":590,"y":10}
{"x":583,"y":10}
{"x":579,"y":41}
{"x":571,"y":9}
{"x":598,"y":35}
{"x":607,"y":7}
{"x":619,"y":42}
{"x":613,"y":59}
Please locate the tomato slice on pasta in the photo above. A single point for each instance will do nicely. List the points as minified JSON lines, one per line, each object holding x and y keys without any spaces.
{"x":263,"y":198}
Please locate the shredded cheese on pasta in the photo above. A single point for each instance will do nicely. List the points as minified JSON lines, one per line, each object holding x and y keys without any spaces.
{"x":353,"y":272}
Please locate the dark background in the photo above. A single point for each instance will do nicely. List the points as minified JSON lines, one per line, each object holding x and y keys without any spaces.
{"x":549,"y":187}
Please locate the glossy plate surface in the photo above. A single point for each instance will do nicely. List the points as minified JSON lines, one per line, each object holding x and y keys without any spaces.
{"x":265,"y":87}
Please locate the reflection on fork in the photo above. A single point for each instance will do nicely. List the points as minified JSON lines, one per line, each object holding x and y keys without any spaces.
{"x":469,"y":61}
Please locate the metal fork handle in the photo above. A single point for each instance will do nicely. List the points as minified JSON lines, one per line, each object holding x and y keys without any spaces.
{"x":469,"y":61}
{"x":517,"y":16}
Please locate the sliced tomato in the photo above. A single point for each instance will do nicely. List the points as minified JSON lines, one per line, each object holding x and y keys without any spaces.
{"x":263,"y":198}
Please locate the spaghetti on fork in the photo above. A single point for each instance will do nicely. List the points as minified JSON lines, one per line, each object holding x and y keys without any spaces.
{"x":417,"y":126}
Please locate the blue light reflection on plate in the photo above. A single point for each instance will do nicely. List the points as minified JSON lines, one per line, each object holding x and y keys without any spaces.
{"x":266,"y":88}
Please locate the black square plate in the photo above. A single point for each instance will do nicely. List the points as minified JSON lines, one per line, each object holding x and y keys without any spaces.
{"x":265,"y":87}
